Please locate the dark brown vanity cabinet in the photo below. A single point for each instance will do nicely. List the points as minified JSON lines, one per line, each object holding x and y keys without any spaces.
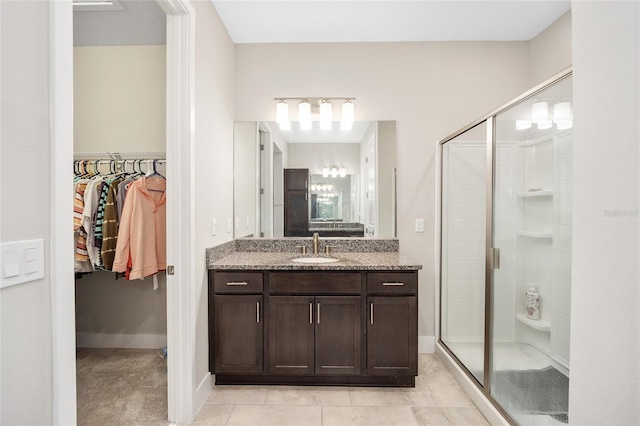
{"x":296,"y":202}
{"x":392,"y":326}
{"x":315,"y":327}
{"x":236,"y":331}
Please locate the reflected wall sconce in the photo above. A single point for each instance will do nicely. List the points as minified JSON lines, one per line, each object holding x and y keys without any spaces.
{"x":334,"y":171}
{"x":315,"y":109}
{"x":561,"y":116}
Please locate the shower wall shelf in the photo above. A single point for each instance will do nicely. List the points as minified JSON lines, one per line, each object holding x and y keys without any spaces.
{"x":540,"y":325}
{"x":532,"y":194}
{"x":539,"y":235}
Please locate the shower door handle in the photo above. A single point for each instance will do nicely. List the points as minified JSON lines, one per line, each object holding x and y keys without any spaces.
{"x":495,"y":258}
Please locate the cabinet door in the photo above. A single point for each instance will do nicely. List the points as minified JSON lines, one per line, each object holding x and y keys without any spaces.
{"x":296,"y":179}
{"x":392,"y":336}
{"x":338,"y":335}
{"x":296,"y":214}
{"x":291,"y":335}
{"x":238,"y":334}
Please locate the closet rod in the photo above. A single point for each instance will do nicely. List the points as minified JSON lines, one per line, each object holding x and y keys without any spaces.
{"x":114,"y":155}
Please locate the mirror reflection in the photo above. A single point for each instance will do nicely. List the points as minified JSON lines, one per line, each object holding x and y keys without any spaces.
{"x":334,"y":182}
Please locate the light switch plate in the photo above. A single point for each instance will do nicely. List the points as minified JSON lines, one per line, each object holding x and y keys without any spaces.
{"x":22,"y":261}
{"x":419,"y":225}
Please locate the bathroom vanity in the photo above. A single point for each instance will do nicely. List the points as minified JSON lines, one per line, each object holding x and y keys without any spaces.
{"x":274,"y":318}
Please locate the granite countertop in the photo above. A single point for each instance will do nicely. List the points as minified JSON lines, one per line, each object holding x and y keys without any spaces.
{"x":277,"y":254}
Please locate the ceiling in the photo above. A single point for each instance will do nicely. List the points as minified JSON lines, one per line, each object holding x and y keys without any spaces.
{"x":387,"y":21}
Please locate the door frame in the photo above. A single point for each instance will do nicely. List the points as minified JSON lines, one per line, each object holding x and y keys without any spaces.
{"x":181,"y":297}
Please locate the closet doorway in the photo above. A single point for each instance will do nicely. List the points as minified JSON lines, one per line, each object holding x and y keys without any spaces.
{"x":179,"y":143}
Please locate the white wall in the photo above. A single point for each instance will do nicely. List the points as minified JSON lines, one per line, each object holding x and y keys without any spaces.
{"x":550,"y":51}
{"x":314,"y":156}
{"x":431,"y":89}
{"x":605,"y":307}
{"x":119,"y":98}
{"x":25,"y":310}
{"x":214,"y":107}
{"x":119,"y":105}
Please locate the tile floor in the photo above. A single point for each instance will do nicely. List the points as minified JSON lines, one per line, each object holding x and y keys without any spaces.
{"x":128,"y":387}
{"x":437,"y":399}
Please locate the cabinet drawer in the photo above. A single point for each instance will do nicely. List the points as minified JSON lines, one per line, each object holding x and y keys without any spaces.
{"x":315,"y":283}
{"x":392,"y":282}
{"x":238,"y":282}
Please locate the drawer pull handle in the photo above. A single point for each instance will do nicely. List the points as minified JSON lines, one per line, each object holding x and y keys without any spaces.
{"x":310,"y":312}
{"x":372,"y":314}
{"x":238,"y":283}
{"x":258,"y":312}
{"x":393,"y":284}
{"x":318,"y":313}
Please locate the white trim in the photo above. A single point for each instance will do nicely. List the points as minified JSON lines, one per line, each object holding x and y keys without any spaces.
{"x":129,"y":341}
{"x":426,"y":344}
{"x":63,"y":318}
{"x":202,"y":393}
{"x":181,"y":297}
{"x":180,"y":212}
{"x":488,"y":410}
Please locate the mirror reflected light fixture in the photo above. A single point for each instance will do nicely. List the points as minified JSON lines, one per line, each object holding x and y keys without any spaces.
{"x":315,"y":109}
{"x":540,"y":116}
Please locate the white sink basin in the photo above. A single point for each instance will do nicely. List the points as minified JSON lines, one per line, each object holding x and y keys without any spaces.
{"x":314,"y":259}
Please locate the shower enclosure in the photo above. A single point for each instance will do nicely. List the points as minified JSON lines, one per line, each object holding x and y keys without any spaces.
{"x":505,"y":272}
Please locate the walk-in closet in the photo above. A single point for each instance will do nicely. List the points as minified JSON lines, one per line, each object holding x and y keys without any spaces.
{"x":119,"y":213}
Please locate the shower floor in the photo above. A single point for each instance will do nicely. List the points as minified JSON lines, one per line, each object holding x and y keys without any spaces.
{"x":509,"y":356}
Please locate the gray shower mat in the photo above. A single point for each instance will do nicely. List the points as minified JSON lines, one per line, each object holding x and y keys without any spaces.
{"x":542,"y":391}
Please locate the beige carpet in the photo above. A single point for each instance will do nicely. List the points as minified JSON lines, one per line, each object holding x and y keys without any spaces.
{"x":121,"y":387}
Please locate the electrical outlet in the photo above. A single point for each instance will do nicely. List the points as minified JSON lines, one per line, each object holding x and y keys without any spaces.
{"x":229,"y":225}
{"x":237,"y":223}
{"x":419,"y":225}
{"x":214,"y":227}
{"x":247,"y":223}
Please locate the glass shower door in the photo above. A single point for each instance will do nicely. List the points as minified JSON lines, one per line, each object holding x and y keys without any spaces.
{"x":464,"y":193}
{"x":532,"y":229}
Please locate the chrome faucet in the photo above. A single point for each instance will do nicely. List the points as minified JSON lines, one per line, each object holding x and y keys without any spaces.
{"x":316,"y":238}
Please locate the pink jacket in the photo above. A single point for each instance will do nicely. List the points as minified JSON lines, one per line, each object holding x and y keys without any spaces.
{"x":142,"y":232}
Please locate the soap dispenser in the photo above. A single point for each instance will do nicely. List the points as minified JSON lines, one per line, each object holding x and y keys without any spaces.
{"x":532,"y":302}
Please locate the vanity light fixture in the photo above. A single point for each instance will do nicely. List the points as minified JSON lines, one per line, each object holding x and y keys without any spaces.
{"x":315,"y":109}
{"x":343,"y":172}
{"x":325,"y":172}
{"x":334,"y":172}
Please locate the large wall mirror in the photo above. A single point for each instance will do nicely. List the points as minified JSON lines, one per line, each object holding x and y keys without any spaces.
{"x":351,"y":178}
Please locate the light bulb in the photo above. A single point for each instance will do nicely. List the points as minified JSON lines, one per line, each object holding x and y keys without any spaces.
{"x":325,"y":172}
{"x":304,"y":115}
{"x":346,"y":122}
{"x":326,"y":115}
{"x":282,"y":112}
{"x":562,"y":112}
{"x":540,"y":112}
{"x":285,"y":125}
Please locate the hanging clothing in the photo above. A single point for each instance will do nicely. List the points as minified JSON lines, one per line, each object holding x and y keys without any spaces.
{"x":142,"y":233}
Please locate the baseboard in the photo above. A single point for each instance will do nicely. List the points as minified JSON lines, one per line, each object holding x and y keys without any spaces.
{"x":426,"y":344}
{"x":128,"y":341}
{"x":202,"y":393}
